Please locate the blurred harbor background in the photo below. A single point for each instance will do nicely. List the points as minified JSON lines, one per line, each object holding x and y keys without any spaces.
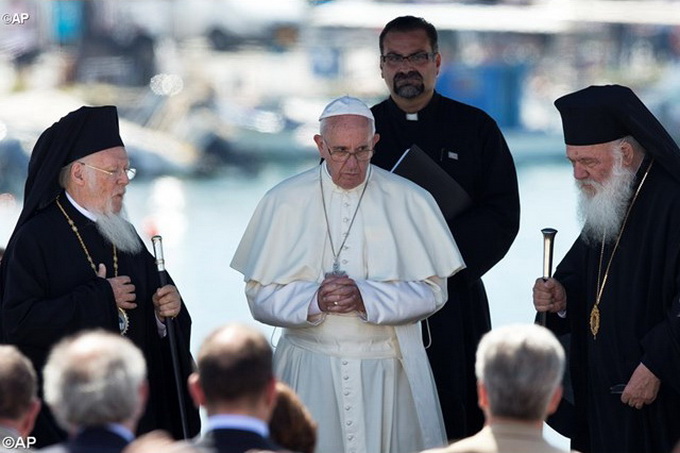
{"x":219,"y":101}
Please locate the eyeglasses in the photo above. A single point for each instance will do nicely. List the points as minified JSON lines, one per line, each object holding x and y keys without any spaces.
{"x":129,"y":171}
{"x":417,"y":58}
{"x":341,"y":155}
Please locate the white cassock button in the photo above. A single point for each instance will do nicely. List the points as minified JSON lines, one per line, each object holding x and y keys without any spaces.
{"x":346,"y":393}
{"x":348,"y":423}
{"x":345,"y":377}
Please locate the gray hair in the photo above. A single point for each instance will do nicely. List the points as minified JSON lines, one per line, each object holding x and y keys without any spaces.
{"x":65,"y":175}
{"x":326,"y":123}
{"x":637,"y":147}
{"x":93,"y":378}
{"x":520,"y":366}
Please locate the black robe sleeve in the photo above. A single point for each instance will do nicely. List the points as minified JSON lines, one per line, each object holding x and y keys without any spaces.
{"x":485,"y":233}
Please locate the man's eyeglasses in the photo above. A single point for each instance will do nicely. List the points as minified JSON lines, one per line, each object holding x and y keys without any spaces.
{"x":417,"y":58}
{"x":129,"y":172}
{"x":341,"y":155}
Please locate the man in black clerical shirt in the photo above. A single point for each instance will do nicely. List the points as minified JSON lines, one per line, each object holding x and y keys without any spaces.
{"x":617,"y":291}
{"x":74,"y":262}
{"x":468,"y":145}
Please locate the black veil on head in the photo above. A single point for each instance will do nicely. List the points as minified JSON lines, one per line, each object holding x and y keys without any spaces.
{"x":603,"y":113}
{"x":80,"y":133}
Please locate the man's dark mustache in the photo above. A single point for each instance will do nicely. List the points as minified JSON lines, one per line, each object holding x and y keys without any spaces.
{"x":408,"y":75}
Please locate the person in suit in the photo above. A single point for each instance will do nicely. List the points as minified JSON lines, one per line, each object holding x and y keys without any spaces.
{"x":19,"y":403}
{"x":519,"y":372}
{"x":95,"y":382}
{"x":235,"y":384}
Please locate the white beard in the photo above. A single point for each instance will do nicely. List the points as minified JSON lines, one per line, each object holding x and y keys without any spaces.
{"x":118,"y":231}
{"x":603,"y":212}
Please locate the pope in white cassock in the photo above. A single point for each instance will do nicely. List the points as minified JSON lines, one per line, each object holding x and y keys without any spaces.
{"x":348,"y":258}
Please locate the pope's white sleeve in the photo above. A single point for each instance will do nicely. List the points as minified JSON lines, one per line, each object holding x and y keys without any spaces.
{"x":396,"y":303}
{"x":290,"y":305}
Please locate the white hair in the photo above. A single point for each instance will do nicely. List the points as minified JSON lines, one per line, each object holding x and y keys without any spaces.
{"x":94,"y":378}
{"x":118,"y":231}
{"x":115,"y":227}
{"x":520,"y":366}
{"x":602,"y":213}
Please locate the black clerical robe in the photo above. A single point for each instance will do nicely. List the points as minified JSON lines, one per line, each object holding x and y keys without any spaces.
{"x":638,"y":323}
{"x":49,"y":290}
{"x":469,"y":146}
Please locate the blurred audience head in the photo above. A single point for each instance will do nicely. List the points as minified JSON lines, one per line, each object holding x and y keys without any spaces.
{"x":235,"y":373}
{"x":94,"y":378}
{"x":519,"y":372}
{"x":19,"y":404}
{"x":291,"y":425}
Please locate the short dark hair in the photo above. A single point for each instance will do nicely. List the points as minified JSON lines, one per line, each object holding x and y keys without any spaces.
{"x":17,"y":383}
{"x":410,"y":23}
{"x":234,"y":362}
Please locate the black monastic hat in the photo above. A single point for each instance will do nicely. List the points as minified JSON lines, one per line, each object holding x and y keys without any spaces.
{"x":80,"y":133}
{"x":601,"y":114}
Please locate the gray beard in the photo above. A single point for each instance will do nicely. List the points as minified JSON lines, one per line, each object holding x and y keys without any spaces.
{"x":603,"y":212}
{"x":410,"y":90}
{"x":119,"y":232}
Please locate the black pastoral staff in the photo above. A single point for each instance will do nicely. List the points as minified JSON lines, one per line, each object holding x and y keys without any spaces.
{"x":466,"y":143}
{"x":74,"y":262}
{"x":617,"y":291}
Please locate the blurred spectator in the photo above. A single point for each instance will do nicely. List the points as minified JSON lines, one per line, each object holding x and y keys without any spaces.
{"x":519,"y":372}
{"x":19,"y":404}
{"x":291,"y":425}
{"x":95,"y":384}
{"x":235,"y":383}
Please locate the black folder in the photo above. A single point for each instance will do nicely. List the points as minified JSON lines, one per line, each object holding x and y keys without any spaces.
{"x":420,"y":168}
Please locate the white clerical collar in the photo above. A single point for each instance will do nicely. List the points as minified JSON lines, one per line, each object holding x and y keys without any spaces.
{"x":80,"y":209}
{"x":412,"y":116}
{"x":329,"y":179}
{"x":243,"y":422}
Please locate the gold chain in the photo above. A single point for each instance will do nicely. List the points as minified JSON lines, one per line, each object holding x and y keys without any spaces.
{"x":595,"y":311}
{"x":123,"y":318}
